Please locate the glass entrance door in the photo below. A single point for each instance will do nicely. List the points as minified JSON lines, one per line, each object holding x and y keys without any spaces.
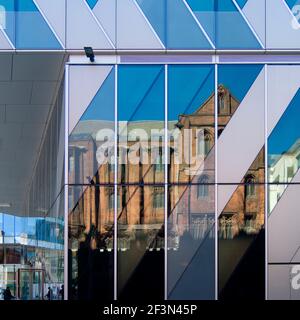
{"x":30,"y":284}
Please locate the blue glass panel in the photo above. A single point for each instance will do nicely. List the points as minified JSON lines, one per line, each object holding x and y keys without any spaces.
{"x":191,"y":114}
{"x":174,"y":24}
{"x":246,"y":75}
{"x":32,"y":31}
{"x":1,"y":223}
{"x":182,"y":29}
{"x":191,"y":245}
{"x":205,"y":13}
{"x":155,"y":11}
{"x":104,"y":96}
{"x":292,"y":3}
{"x":141,"y":110}
{"x":189,"y":88}
{"x":20,"y":225}
{"x":232,"y":31}
{"x":141,"y":93}
{"x":92,"y":130}
{"x":92,"y":3}
{"x":284,"y":144}
{"x":241,"y":3}
{"x":9,"y":28}
{"x":9,"y":225}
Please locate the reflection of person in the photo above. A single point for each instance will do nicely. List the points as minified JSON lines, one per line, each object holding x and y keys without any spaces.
{"x":61,"y":292}
{"x":49,"y":294}
{"x":7,"y":294}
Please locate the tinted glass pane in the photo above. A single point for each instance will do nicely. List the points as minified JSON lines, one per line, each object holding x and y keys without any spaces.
{"x":141,"y":243}
{"x":141,"y":115}
{"x":241,"y":242}
{"x":241,"y":151}
{"x":191,"y":242}
{"x":32,"y":31}
{"x":91,"y":243}
{"x":164,"y":16}
{"x":233,"y":29}
{"x":283,"y":144}
{"x":91,"y":142}
{"x":283,"y":242}
{"x":191,"y":123}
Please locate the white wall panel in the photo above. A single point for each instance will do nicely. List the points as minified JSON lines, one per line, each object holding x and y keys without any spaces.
{"x":83,"y":29}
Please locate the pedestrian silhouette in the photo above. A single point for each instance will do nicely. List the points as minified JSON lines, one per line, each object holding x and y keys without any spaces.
{"x":7,"y":294}
{"x":49,"y":294}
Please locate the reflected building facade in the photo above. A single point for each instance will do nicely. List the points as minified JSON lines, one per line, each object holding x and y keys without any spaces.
{"x":165,"y":165}
{"x":141,"y":198}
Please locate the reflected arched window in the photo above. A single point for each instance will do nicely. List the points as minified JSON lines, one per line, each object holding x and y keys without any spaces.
{"x":249,"y":186}
{"x":202,"y":188}
{"x":205,"y":142}
{"x":221,"y":103}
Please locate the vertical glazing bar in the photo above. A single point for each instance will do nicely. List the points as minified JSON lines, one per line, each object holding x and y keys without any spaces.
{"x":66,"y":181}
{"x":266,"y":182}
{"x":216,"y":179}
{"x":166,"y":184}
{"x":116,"y":189}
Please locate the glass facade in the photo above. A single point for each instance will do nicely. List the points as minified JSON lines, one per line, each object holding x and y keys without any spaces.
{"x":166,"y":163}
{"x":190,"y":189}
{"x":32,"y":241}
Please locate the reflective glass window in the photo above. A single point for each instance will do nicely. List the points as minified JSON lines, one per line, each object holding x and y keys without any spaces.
{"x":141,"y":116}
{"x":191,"y":121}
{"x":191,"y":243}
{"x":141,"y":243}
{"x":241,"y":243}
{"x":91,"y":244}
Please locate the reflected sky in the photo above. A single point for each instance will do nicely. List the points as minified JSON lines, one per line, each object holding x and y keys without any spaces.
{"x":291,"y":3}
{"x":141,"y":93}
{"x":141,"y":90}
{"x":26,"y":27}
{"x":286,"y":132}
{"x":188,"y":87}
{"x":102,"y":106}
{"x":238,"y":78}
{"x":32,"y":227}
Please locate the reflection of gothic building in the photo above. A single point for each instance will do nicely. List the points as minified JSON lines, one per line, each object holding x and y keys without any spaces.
{"x":141,"y":205}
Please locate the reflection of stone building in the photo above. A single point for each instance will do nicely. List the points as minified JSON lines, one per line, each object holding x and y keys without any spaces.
{"x":141,"y":205}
